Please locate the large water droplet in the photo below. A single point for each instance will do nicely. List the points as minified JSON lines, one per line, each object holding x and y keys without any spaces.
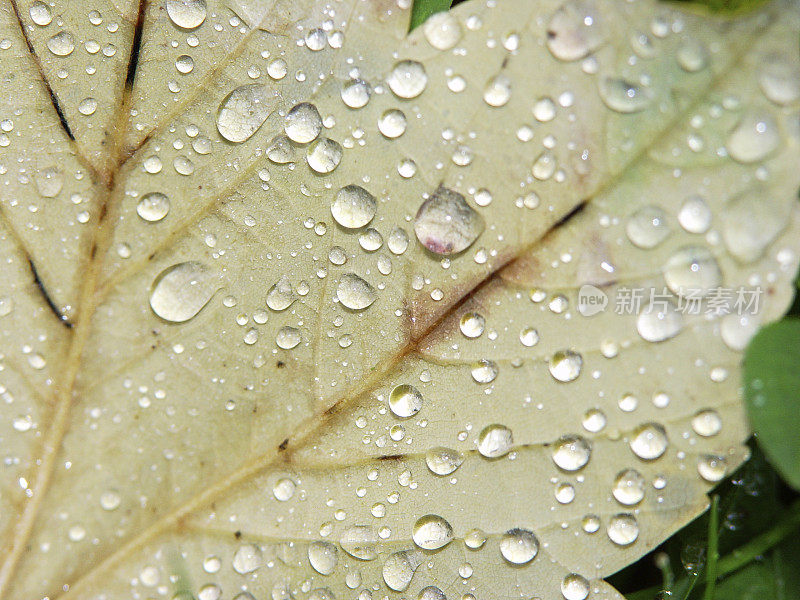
{"x":323,"y":557}
{"x":695,"y":215}
{"x":40,"y":13}
{"x":356,"y":93}
{"x":751,"y":221}
{"x":431,"y":592}
{"x":712,"y":468}
{"x":49,"y":181}
{"x":61,"y":44}
{"x":565,"y":365}
{"x":182,"y":290}
{"x":571,"y":452}
{"x":280,"y":296}
{"x":153,"y":207}
{"x":692,"y":270}
{"x":623,"y":96}
{"x":647,"y":227}
{"x":360,"y":542}
{"x":497,"y":91}
{"x":628,"y":487}
{"x":780,"y":79}
{"x":355,"y":293}
{"x":659,"y":321}
{"x":392,"y":123}
{"x":623,"y":529}
{"x":324,"y":155}
{"x":281,"y":150}
{"x":187,"y":14}
{"x":243,"y":112}
{"x":443,"y":461}
{"x":303,"y":123}
{"x":754,"y":138}
{"x":574,"y":587}
{"x":472,"y":324}
{"x":649,"y":441}
{"x":399,"y":568}
{"x":442,"y":30}
{"x":246,"y":559}
{"x":405,"y":400}
{"x":495,"y":441}
{"x":407,"y":79}
{"x":519,"y":546}
{"x":484,"y":371}
{"x":432,"y":532}
{"x":446,"y":224}
{"x":692,"y":56}
{"x":353,"y":207}
{"x":575,"y":30}
{"x":707,"y":423}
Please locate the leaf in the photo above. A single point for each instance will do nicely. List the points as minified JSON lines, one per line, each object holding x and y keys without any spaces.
{"x":292,"y":297}
{"x":772,"y":378}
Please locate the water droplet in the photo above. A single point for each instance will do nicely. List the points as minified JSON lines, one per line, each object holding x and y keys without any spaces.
{"x":751,"y":221}
{"x":623,"y":529}
{"x":360,"y":542}
{"x":40,"y":13}
{"x":283,"y":490}
{"x":353,"y":207}
{"x":443,"y":461}
{"x":472,"y":324}
{"x":649,"y":441}
{"x":49,"y":181}
{"x":738,"y":330}
{"x":565,"y":365}
{"x":281,"y":296}
{"x":574,"y":30}
{"x":711,"y":468}
{"x":647,"y":227}
{"x":590,"y":523}
{"x":288,"y":337}
{"x":754,"y":138}
{"x":565,"y":493}
{"x":623,"y":96}
{"x":153,"y":207}
{"x":432,"y":532}
{"x":519,"y":546}
{"x":574,"y":587}
{"x":407,"y":79}
{"x":484,"y":371}
{"x":474,"y":539}
{"x":280,"y":150}
{"x":405,"y":400}
{"x":442,"y":30}
{"x":497,"y":91}
{"x":446,"y":224}
{"x":779,"y":79}
{"x":399,"y":568}
{"x":692,"y":269}
{"x":695,"y":215}
{"x":571,"y":452}
{"x":495,"y":441}
{"x":544,"y":110}
{"x":431,"y":592}
{"x":628,"y":487}
{"x":184,"y":64}
{"x":692,"y":56}
{"x":182,"y":290}
{"x":187,"y":14}
{"x":707,"y":423}
{"x":110,"y":500}
{"x":243,"y":112}
{"x":61,"y":44}
{"x":659,"y":321}
{"x":355,"y":293}
{"x":246,"y":559}
{"x":392,"y":123}
{"x":323,"y":557}
{"x":303,"y":123}
{"x":544,"y":166}
{"x":324,"y":155}
{"x":356,"y":93}
{"x":594,"y":420}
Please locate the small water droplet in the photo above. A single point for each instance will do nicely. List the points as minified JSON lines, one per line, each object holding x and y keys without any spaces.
{"x":392,"y":123}
{"x":360,"y":542}
{"x":181,"y":291}
{"x":497,"y":91}
{"x":40,"y":13}
{"x":519,"y":546}
{"x":628,"y":487}
{"x":49,"y":181}
{"x":495,"y":441}
{"x":574,"y":587}
{"x":356,"y":93}
{"x":780,"y":79}
{"x":281,"y":296}
{"x":153,"y":207}
{"x":565,"y":365}
{"x":283,"y":490}
{"x":432,"y":532}
{"x":61,"y":44}
{"x":324,"y":155}
{"x":712,"y":468}
{"x":692,"y":269}
{"x":246,"y":559}
{"x":484,"y":371}
{"x":571,"y":452}
{"x":695,"y":215}
{"x":649,"y":441}
{"x":407,"y":79}
{"x":303,"y":123}
{"x":399,"y":568}
{"x":405,"y":400}
{"x":659,"y":321}
{"x":623,"y":529}
{"x":751,"y":221}
{"x":647,"y":227}
{"x":442,"y":30}
{"x":623,"y":96}
{"x":472,"y":324}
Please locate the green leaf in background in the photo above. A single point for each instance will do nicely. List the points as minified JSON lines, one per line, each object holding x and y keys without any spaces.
{"x":422,"y":9}
{"x":772,"y":394}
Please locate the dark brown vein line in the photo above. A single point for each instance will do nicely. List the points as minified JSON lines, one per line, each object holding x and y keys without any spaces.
{"x":133,"y":60}
{"x":46,"y":295}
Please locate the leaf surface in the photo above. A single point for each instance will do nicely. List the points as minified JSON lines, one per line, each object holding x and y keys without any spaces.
{"x":292,"y":297}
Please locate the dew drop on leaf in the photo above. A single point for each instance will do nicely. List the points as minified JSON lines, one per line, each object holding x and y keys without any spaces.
{"x":647,"y":227}
{"x":442,"y":30}
{"x":571,"y":452}
{"x":243,"y":112}
{"x":495,"y":441}
{"x":754,"y":138}
{"x":281,"y":295}
{"x":484,"y":371}
{"x":359,"y":542}
{"x":303,"y":123}
{"x":659,"y":321}
{"x":247,"y":559}
{"x":628,"y":487}
{"x":40,"y":13}
{"x":624,"y":96}
{"x":692,"y":269}
{"x":443,"y":461}
{"x":519,"y":546}
{"x":712,"y":468}
{"x":695,"y":215}
{"x":153,"y":207}
{"x":324,"y":155}
{"x":574,"y":587}
{"x":472,"y":324}
{"x":574,"y":30}
{"x":565,"y":365}
{"x":392,"y":123}
{"x":399,"y":568}
{"x":649,"y":441}
{"x":707,"y":423}
{"x":283,"y":490}
{"x":445,"y":224}
{"x":353,"y":207}
{"x":323,"y":557}
{"x":355,"y":293}
{"x":432,"y":532}
{"x":405,"y":400}
{"x":622,"y":529}
{"x":407,"y":79}
{"x":187,"y":14}
{"x":181,"y":291}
